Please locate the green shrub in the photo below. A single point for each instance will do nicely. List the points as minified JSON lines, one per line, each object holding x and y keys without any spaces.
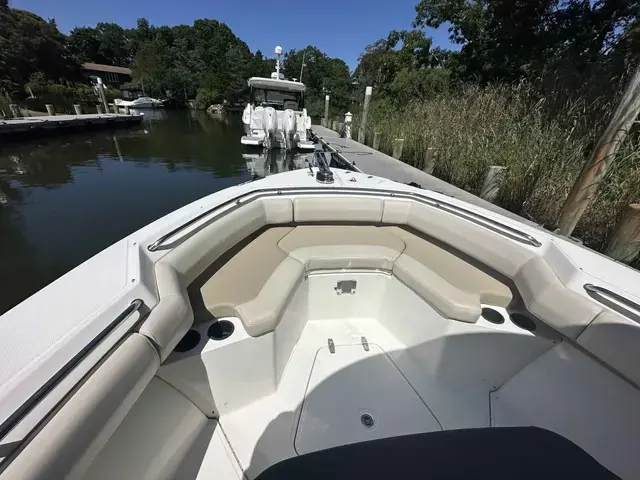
{"x":207,"y":97}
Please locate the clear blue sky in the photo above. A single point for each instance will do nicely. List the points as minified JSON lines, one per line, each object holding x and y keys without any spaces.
{"x":340,"y":28}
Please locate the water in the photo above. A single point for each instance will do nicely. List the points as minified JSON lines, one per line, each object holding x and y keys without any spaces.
{"x":62,"y":200}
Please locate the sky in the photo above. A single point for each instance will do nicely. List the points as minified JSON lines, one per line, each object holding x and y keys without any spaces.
{"x":339,"y":28}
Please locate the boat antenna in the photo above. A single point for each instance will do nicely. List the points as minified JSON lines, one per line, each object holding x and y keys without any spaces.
{"x":278,"y":54}
{"x":302,"y":67}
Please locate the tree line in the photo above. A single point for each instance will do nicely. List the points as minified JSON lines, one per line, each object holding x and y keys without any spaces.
{"x":581,"y":48}
{"x":205,"y":61}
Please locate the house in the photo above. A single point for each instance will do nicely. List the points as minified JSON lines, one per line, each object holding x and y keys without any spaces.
{"x":111,"y":76}
{"x":114,"y":77}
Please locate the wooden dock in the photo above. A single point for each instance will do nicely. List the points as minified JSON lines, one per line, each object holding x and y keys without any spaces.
{"x":32,"y":127}
{"x":373,"y":162}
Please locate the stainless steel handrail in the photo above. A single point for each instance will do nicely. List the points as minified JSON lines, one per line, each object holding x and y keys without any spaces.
{"x":21,"y":412}
{"x":473,"y":217}
{"x":601,"y":293}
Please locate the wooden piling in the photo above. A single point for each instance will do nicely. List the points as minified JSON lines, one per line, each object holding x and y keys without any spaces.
{"x":326,"y":112}
{"x":602,"y":157}
{"x":115,"y":108}
{"x":365,"y":110}
{"x":334,"y":126}
{"x":15,"y":110}
{"x":492,"y":182}
{"x":376,"y":140}
{"x":398,"y":145}
{"x":127,"y":110}
{"x":50,"y":110}
{"x":624,"y":243}
{"x":77,"y":109}
{"x":430,"y":156}
{"x":103,"y":96}
{"x":100,"y":109}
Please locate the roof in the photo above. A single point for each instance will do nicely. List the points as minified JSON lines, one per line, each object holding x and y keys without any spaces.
{"x":106,"y":68}
{"x":275,"y":84}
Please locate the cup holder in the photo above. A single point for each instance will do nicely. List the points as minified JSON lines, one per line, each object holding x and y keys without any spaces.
{"x":190,"y":341}
{"x":220,"y":330}
{"x":492,"y":316}
{"x":523,"y":321}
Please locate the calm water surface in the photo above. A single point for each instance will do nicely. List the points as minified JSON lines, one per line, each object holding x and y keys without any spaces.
{"x":62,"y":200}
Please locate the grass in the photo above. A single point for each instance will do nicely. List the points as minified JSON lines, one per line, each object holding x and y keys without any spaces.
{"x":502,"y":125}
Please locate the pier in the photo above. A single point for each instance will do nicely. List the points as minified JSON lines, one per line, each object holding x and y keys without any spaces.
{"x":33,"y":127}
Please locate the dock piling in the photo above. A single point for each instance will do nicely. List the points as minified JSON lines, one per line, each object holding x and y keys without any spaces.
{"x":334,"y":125}
{"x":114,"y":107}
{"x":15,"y":110}
{"x":624,"y":244}
{"x":430,"y":156}
{"x":50,"y":110}
{"x":100,"y":109}
{"x":326,"y":112}
{"x":376,"y":140}
{"x":348,"y":117}
{"x":398,"y":145}
{"x":77,"y":109}
{"x":365,"y":110}
{"x":492,"y":181}
{"x":127,"y":110}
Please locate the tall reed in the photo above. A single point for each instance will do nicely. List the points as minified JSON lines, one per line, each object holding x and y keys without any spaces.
{"x":475,"y":127}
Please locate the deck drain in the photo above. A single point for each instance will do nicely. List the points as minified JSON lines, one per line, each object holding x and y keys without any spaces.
{"x":367,"y":420}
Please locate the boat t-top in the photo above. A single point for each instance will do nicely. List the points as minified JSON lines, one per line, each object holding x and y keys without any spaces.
{"x":275,"y":116}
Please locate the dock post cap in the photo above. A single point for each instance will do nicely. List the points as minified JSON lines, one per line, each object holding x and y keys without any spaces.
{"x":348,"y":117}
{"x":368,"y":91}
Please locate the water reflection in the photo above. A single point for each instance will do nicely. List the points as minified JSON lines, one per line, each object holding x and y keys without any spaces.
{"x":64,"y":199}
{"x":263,"y":162}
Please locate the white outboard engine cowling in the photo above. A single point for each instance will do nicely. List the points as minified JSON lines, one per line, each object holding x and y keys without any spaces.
{"x":289,"y":128}
{"x":270,"y":126}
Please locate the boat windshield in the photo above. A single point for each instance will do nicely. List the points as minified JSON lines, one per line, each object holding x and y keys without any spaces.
{"x":278,"y":99}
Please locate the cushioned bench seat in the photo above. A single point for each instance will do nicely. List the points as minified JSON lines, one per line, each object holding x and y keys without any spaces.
{"x":341,"y":246}
{"x":239,"y":276}
{"x":255,"y":280}
{"x":453,"y":269}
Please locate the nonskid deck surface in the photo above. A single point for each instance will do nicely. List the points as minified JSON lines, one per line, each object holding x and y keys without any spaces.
{"x":327,"y":399}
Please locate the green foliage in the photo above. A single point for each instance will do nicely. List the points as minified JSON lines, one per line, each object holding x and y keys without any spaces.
{"x":207,"y":97}
{"x":564,"y":46}
{"x":322,"y":75}
{"x":29,"y":44}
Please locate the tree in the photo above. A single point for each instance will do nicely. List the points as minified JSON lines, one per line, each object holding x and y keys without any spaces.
{"x":533,"y":39}
{"x":322,"y":75}
{"x":30,"y":44}
{"x":403,"y":66}
{"x":107,"y":43}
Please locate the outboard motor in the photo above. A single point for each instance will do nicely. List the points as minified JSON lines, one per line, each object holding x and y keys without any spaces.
{"x":270,"y":126}
{"x":289,"y":128}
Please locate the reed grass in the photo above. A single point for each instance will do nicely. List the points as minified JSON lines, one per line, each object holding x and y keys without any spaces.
{"x":544,"y":151}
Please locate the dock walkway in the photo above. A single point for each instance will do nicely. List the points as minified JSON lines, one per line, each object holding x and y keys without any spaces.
{"x":34,"y":126}
{"x":373,"y":162}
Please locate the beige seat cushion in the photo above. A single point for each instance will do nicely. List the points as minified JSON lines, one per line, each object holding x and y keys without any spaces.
{"x":326,"y":235}
{"x":261,"y":314}
{"x":337,"y":209}
{"x":499,"y":253}
{"x":454,"y":269}
{"x":548,"y":299}
{"x":615,"y":340}
{"x":70,"y":441}
{"x":449,"y":301}
{"x":238,"y":277}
